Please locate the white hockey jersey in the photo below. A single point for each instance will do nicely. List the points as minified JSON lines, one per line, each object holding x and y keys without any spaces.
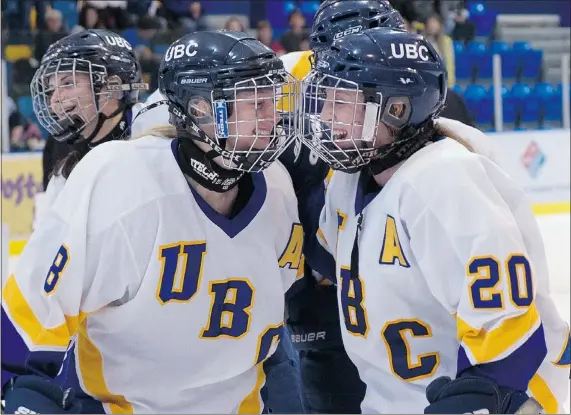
{"x":173,"y":306}
{"x":451,"y":273}
{"x":145,"y":116}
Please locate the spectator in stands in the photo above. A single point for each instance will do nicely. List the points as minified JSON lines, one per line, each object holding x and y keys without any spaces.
{"x":266,"y":35}
{"x":434,"y":32}
{"x":147,"y":28}
{"x":187,"y":13}
{"x":24,"y":134}
{"x":141,"y":8}
{"x":88,"y":19}
{"x":113,"y":13}
{"x":293,"y":38}
{"x":234,"y":24}
{"x":53,"y":33}
{"x":464,"y":30}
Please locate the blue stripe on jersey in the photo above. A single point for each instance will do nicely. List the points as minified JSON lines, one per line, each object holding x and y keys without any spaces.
{"x":69,"y":379}
{"x":316,"y":257}
{"x":18,"y":360}
{"x":565,"y":358}
{"x":515,"y":370}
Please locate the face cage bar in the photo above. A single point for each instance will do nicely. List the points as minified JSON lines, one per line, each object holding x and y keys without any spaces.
{"x":283,"y":87}
{"x":42,"y":94}
{"x":350,"y":152}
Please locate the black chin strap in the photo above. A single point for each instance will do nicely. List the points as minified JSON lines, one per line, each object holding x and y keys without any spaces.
{"x":202,"y":168}
{"x":121,"y":131}
{"x":410,"y":140}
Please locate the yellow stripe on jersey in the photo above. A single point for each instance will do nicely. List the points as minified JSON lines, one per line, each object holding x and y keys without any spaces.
{"x":24,"y":317}
{"x":252,"y":404}
{"x":321,"y":239}
{"x":563,"y":350}
{"x":91,"y":371}
{"x":541,"y":392}
{"x":486,"y":345}
{"x":301,"y":68}
{"x":328,"y":177}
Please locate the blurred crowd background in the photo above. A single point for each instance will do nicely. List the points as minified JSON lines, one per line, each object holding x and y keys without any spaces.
{"x":532,"y":40}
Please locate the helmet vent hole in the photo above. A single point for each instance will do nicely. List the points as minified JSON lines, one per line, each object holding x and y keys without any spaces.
{"x":344,"y":17}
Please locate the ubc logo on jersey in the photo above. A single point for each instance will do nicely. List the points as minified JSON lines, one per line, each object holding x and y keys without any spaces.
{"x":410,"y":51}
{"x":348,"y":31}
{"x":221,"y":119}
{"x":118,"y":41}
{"x":180,"y":50}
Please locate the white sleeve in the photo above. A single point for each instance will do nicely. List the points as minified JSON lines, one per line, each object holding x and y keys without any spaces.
{"x":327,"y":233}
{"x":70,"y":267}
{"x":44,"y":200}
{"x":470,"y":248}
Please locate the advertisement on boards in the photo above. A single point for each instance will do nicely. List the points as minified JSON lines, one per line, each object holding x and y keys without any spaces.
{"x":540,"y":161}
{"x":21,"y":180}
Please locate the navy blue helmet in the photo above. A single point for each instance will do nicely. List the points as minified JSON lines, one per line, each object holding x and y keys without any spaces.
{"x":78,"y":76}
{"x":223,"y":88}
{"x":337,"y":18}
{"x":368,"y":85}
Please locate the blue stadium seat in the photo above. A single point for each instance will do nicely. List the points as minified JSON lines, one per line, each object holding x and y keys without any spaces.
{"x":474,"y":95}
{"x":485,"y":114}
{"x":549,"y":100}
{"x":499,"y":46}
{"x":521,"y":45}
{"x":25,"y":106}
{"x":459,"y":47}
{"x":477,"y":46}
{"x":511,"y":64}
{"x":160,"y":49}
{"x":458,"y":89}
{"x":521,"y":91}
{"x":485,"y":65}
{"x":483,"y":19}
{"x":509,"y":104}
{"x":531,"y":63}
{"x":465,"y":64}
{"x":526,"y":104}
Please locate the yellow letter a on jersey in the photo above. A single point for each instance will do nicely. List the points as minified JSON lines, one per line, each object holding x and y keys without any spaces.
{"x":292,"y":254}
{"x":392,"y":249}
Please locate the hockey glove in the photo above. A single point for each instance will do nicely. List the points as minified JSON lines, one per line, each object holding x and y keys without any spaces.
{"x":476,"y":395}
{"x":30,"y":394}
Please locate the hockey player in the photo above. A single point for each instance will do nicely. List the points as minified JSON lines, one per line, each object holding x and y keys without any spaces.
{"x":443,"y":280}
{"x":166,"y":257}
{"x":281,"y":393}
{"x":82,"y":94}
{"x":330,"y":382}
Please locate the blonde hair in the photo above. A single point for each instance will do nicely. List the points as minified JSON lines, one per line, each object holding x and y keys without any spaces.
{"x":447,"y":132}
{"x":164,"y":131}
